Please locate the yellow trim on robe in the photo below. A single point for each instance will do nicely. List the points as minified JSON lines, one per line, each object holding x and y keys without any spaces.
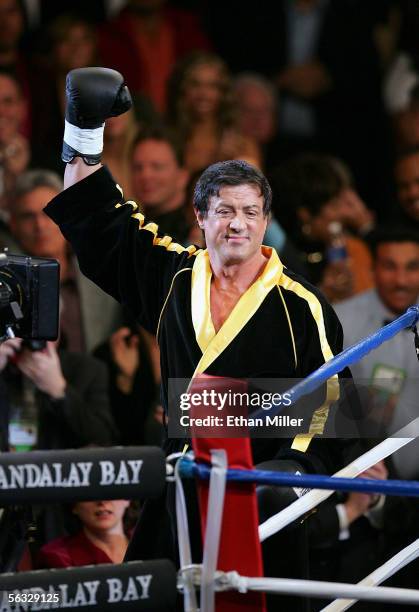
{"x":140,"y":218}
{"x":164,"y":241}
{"x":167,"y":297}
{"x":200,"y":300}
{"x":302,"y":441}
{"x":213,"y":344}
{"x":290,"y":326}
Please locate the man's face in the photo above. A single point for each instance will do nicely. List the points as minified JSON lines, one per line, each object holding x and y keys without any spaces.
{"x":407,"y":182}
{"x":234,"y":224}
{"x":157,"y":178}
{"x":37,"y":234}
{"x":396,"y":272}
{"x":12,"y":109}
{"x":256,"y":113}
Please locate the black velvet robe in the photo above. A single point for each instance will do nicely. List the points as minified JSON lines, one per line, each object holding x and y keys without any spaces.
{"x":284,"y":327}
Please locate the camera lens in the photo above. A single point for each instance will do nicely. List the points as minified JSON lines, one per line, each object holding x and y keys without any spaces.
{"x":6,"y":294}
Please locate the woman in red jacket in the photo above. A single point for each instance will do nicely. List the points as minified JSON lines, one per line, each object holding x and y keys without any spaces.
{"x":101,"y":539}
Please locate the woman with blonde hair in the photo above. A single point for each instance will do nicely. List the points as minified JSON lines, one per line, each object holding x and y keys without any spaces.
{"x":201,"y":109}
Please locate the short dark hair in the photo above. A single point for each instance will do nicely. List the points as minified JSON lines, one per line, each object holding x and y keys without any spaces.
{"x":310,"y":180}
{"x":161,"y":133}
{"x":231,"y":172}
{"x":386,"y":234}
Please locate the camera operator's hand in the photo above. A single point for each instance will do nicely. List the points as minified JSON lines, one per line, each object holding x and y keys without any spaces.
{"x":8,"y":349}
{"x":44,"y":370}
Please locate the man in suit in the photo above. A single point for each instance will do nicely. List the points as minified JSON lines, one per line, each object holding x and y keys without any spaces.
{"x":82,"y":329}
{"x":391,"y":372}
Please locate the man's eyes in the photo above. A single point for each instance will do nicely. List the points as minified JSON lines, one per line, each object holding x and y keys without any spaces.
{"x":230,"y":213}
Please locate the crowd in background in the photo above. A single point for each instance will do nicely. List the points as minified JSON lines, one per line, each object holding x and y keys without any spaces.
{"x":322,"y":95}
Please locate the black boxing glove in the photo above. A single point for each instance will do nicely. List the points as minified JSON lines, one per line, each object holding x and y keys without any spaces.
{"x":92,"y":96}
{"x":272,"y":499}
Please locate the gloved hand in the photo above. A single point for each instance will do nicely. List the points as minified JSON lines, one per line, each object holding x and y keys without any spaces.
{"x":92,"y":96}
{"x":273,"y":499}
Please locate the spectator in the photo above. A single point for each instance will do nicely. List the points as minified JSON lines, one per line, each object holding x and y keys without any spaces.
{"x":132,"y":356}
{"x":257,"y":110}
{"x":200,"y":107}
{"x":12,"y":25}
{"x":159,"y":180}
{"x":313,"y":192}
{"x":401,"y":82}
{"x":396,"y":276}
{"x":100,"y":539}
{"x":81,"y":327}
{"x":323,"y":59}
{"x":72,"y":44}
{"x":144,"y":42}
{"x":14,"y":147}
{"x":346,"y":537}
{"x":56,"y":399}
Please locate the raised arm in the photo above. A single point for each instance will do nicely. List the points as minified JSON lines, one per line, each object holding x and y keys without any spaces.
{"x":116,"y":247}
{"x":92,"y":96}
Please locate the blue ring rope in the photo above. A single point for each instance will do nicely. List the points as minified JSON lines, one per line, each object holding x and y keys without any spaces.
{"x":347,"y":357}
{"x":190,"y":469}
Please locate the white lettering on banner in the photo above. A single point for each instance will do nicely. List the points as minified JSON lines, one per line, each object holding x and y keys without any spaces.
{"x":51,"y":597}
{"x":135,"y":465}
{"x":115,"y":590}
{"x":145,"y":582}
{"x":132,"y":592}
{"x":122,"y":475}
{"x":85,"y":594}
{"x":46,"y":476}
{"x":80,"y":594}
{"x":85,"y":468}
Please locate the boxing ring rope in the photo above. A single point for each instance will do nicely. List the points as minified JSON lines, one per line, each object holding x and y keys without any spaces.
{"x":343,"y":479}
{"x":225,"y":581}
{"x":190,"y":469}
{"x":140,"y":472}
{"x":347,"y":357}
{"x":388,"y":569}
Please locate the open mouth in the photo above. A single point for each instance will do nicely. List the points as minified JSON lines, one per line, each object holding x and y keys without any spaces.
{"x":103,"y":513}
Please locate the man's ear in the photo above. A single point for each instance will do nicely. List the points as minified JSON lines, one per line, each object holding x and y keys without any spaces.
{"x":200,"y":217}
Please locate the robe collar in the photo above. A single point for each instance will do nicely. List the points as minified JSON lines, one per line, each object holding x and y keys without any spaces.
{"x":212,"y":344}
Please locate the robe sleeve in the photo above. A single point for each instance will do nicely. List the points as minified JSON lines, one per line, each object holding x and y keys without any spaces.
{"x":116,"y":247}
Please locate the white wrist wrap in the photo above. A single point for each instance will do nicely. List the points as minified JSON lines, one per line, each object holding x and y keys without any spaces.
{"x":88,"y":142}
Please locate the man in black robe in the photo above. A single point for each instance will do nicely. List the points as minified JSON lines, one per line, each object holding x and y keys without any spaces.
{"x":231,"y":310}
